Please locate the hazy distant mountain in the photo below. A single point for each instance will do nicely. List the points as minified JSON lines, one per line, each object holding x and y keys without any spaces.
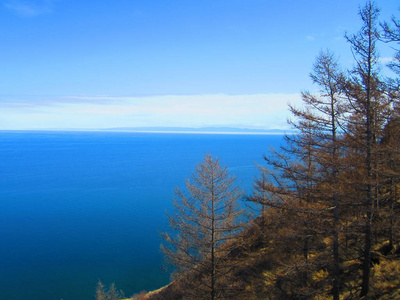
{"x":199,"y":129}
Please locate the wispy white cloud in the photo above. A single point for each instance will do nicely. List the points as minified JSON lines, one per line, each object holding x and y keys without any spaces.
{"x":266,"y":111}
{"x":30,"y":8}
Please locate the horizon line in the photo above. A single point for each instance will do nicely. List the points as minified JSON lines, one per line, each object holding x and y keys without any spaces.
{"x":168,"y":130}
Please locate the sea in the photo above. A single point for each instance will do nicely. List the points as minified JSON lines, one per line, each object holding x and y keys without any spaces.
{"x":79,"y":207}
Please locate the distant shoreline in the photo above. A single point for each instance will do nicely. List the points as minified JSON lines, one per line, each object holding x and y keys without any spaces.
{"x":231,"y":131}
{"x":196,"y":132}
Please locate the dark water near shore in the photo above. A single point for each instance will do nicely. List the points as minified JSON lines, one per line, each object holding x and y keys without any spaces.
{"x":76,"y":207}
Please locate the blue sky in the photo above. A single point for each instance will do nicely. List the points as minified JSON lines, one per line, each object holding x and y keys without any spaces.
{"x":129,"y":63}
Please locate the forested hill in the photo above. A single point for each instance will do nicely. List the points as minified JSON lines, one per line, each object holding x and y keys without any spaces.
{"x":272,"y":267}
{"x":329,"y":227}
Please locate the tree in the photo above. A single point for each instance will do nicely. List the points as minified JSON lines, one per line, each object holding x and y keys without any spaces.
{"x":206,"y":217}
{"x":305,"y":173}
{"x":100,"y":291}
{"x":390,"y":144}
{"x":390,"y":160}
{"x":329,"y":110}
{"x":366,"y":95}
{"x":108,"y":294}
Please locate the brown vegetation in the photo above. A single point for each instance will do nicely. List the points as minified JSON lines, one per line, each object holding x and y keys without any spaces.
{"x":329,"y":229}
{"x":330,"y":197}
{"x":206,"y":219}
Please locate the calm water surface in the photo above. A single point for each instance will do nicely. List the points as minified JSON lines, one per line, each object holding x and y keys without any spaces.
{"x":76,"y":207}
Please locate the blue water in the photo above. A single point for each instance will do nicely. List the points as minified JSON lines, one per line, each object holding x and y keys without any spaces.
{"x":76,"y":207}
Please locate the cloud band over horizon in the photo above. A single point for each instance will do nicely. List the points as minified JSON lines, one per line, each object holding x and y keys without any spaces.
{"x":258,"y":111}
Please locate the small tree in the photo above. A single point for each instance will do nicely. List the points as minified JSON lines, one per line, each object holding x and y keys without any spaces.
{"x":100,"y":291}
{"x":108,"y":294}
{"x":205,"y":220}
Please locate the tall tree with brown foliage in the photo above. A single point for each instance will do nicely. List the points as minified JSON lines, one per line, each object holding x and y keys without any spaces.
{"x":328,"y":113}
{"x":390,"y":143}
{"x":367,"y":95}
{"x":304,"y":178}
{"x":207,"y":216}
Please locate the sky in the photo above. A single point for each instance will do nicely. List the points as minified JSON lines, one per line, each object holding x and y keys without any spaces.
{"x":73,"y":64}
